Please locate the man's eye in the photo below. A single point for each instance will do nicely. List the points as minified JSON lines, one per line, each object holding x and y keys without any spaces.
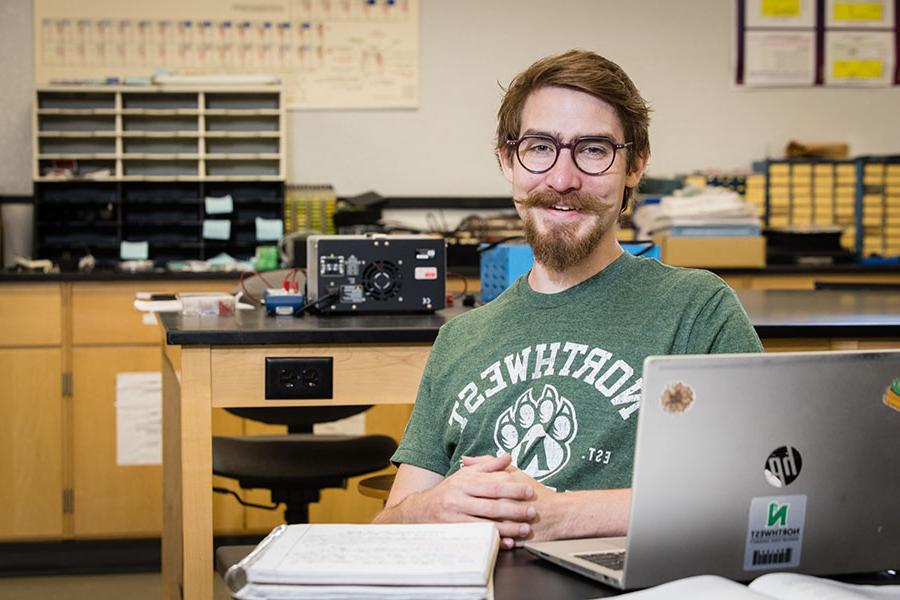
{"x":595,"y":150}
{"x":541,"y":148}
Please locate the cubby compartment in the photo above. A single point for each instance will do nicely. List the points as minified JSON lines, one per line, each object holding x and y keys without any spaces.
{"x":242,"y":168}
{"x":261,"y":145}
{"x":154,"y":145}
{"x":159,"y":101}
{"x":76,"y":100}
{"x":243,"y":101}
{"x":159,"y":123}
{"x":76,"y":145}
{"x":61,"y":168}
{"x":239,"y":123}
{"x":159,"y":168}
{"x":76,"y":122}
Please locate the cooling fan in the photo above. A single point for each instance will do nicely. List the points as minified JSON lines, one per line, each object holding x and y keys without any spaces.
{"x":381,"y":280}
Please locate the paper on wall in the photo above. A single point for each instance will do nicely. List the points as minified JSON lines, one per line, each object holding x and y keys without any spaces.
{"x":139,"y":418}
{"x":775,"y":58}
{"x":859,"y":58}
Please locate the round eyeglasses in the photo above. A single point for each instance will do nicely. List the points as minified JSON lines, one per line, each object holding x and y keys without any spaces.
{"x":592,"y":155}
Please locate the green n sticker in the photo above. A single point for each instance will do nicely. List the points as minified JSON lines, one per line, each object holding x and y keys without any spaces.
{"x":777,"y":515}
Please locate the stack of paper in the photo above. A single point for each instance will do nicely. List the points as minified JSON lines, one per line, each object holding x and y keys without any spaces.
{"x":715,"y":212}
{"x":453,"y":561}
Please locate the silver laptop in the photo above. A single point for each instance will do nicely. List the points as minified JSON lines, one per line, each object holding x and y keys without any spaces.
{"x":750,"y":463}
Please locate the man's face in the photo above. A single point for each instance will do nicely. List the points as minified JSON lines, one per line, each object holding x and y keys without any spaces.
{"x":566,"y":212}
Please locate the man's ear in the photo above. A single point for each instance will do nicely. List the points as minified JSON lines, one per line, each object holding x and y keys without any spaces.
{"x":505,"y":160}
{"x":634,"y":176}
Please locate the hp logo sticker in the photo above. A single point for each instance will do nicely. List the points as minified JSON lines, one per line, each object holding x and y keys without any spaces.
{"x":783,"y":466}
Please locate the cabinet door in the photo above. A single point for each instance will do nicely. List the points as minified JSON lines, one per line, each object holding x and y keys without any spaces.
{"x":110,"y":499}
{"x":31,"y":443}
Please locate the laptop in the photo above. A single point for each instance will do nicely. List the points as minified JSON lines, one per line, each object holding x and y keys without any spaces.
{"x":751,"y":463}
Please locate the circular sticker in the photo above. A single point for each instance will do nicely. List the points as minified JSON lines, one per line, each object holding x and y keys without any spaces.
{"x":677,"y":398}
{"x":782,"y":466}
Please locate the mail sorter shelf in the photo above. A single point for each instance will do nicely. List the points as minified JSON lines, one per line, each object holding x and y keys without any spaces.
{"x":116,"y":164}
{"x":861,"y":195}
{"x":226,"y":133}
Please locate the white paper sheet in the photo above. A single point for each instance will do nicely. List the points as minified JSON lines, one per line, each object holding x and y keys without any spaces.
{"x":139,"y":418}
{"x":777,"y":58}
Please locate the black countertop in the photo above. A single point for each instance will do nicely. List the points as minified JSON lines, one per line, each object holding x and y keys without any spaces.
{"x":156,"y":275}
{"x":470,"y":272}
{"x":774,"y":313}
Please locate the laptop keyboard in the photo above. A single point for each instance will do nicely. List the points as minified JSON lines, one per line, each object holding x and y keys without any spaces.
{"x":610,"y":560}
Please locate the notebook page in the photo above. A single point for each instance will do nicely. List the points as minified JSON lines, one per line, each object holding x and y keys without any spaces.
{"x":439,"y":554}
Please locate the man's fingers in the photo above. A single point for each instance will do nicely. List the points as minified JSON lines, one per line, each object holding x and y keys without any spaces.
{"x":494,"y":487}
{"x":508,"y":530}
{"x":500,"y":510}
{"x":486,"y":464}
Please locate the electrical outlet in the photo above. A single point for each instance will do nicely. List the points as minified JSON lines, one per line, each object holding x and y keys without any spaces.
{"x":306,"y":378}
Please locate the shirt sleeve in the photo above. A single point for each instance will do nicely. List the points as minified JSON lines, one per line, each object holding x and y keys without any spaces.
{"x":722,"y":326}
{"x":422,"y":444}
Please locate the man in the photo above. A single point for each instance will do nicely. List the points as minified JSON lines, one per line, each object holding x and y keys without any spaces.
{"x":527,"y":409}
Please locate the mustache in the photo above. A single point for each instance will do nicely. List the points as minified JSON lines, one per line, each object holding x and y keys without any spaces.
{"x":549,"y":199}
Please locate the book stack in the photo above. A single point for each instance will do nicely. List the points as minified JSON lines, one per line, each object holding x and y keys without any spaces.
{"x":711,"y":212}
{"x":324,"y":562}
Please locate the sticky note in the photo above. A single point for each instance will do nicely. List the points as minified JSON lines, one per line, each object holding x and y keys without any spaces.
{"x":219,"y":206}
{"x":216,"y":229}
{"x":780,"y":8}
{"x":857,"y":69}
{"x":134,"y":250}
{"x":268,"y":230}
{"x":861,"y":11}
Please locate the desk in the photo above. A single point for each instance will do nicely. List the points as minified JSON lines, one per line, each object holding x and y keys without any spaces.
{"x":219,"y":362}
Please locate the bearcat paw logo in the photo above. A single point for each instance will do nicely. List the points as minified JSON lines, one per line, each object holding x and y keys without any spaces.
{"x":537,"y":432}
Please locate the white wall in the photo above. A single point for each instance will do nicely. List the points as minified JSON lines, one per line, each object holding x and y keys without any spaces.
{"x":679,"y":54}
{"x":16,"y":83}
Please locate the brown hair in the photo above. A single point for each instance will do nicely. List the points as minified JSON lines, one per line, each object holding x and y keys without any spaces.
{"x":586,"y":72}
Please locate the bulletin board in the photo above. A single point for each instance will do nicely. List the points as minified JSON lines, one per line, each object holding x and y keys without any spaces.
{"x":847,"y":43}
{"x":328,"y":53}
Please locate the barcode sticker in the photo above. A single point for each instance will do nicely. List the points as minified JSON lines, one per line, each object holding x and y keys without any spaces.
{"x":774,"y":532}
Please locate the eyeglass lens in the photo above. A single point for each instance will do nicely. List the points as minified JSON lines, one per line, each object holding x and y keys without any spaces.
{"x":538,"y":154}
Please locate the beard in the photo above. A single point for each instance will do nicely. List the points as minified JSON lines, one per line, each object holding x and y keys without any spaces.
{"x":561,"y":248}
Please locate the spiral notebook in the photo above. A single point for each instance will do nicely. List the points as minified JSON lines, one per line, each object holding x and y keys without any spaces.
{"x":452,"y":561}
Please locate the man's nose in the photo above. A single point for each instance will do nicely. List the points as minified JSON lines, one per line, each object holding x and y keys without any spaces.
{"x":564,"y":175}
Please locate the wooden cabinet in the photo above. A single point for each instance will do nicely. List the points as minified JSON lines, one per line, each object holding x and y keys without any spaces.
{"x":31,"y":443}
{"x":32,"y":409}
{"x":62,"y":346}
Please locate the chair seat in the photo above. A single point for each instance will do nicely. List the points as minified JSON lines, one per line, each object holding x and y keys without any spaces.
{"x":298,"y":457}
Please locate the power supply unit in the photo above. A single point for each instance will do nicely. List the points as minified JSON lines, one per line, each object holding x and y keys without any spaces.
{"x":376,"y":273}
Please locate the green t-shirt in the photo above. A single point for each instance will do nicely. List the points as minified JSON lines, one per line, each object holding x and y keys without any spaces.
{"x":555,"y":379}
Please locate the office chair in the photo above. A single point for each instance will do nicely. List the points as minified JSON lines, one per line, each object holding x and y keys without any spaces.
{"x":295,"y":466}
